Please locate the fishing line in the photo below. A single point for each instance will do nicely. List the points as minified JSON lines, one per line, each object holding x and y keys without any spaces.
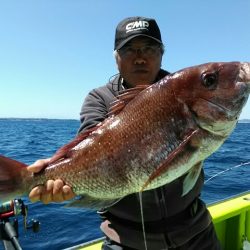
{"x":142,"y":221}
{"x":226,"y":170}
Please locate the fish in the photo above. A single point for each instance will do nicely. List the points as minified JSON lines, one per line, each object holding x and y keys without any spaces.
{"x":153,"y":135}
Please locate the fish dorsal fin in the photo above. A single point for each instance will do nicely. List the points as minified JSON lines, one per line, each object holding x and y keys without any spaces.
{"x":170,"y":157}
{"x":64,"y":151}
{"x":124,"y":98}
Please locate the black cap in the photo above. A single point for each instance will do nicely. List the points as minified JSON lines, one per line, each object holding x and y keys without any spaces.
{"x":132,"y":27}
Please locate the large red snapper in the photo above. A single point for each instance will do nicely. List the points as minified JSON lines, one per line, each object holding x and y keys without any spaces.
{"x":154,"y":135}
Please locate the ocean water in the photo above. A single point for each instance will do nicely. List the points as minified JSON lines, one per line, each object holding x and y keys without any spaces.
{"x":27,"y":140}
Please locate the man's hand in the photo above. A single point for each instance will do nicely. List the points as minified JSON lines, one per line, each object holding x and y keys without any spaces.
{"x":53,"y":190}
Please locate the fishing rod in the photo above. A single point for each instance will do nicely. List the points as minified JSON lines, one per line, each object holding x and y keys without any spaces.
{"x":9,"y":223}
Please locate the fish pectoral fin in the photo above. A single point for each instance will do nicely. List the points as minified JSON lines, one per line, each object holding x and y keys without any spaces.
{"x":85,"y":201}
{"x":191,"y":178}
{"x":164,"y":166}
{"x":125,"y":97}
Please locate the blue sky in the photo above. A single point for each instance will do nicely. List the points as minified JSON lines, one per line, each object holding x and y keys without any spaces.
{"x":53,"y":52}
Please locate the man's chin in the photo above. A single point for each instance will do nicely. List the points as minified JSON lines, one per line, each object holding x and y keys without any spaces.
{"x":142,"y":80}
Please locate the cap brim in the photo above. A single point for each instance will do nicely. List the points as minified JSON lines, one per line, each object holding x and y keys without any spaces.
{"x":131,"y":37}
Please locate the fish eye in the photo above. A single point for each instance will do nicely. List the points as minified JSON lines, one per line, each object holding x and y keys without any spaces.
{"x":209,"y":80}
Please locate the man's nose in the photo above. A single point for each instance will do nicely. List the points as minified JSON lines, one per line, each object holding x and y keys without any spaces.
{"x":139,"y":60}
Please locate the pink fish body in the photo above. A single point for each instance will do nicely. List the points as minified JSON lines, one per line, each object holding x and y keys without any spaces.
{"x":154,"y":135}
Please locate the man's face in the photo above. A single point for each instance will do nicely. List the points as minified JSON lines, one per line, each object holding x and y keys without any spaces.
{"x":139,"y":61}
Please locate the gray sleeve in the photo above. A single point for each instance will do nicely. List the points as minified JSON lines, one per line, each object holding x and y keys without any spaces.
{"x":95,"y":108}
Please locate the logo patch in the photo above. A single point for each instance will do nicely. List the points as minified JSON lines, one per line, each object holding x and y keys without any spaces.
{"x":137,"y":25}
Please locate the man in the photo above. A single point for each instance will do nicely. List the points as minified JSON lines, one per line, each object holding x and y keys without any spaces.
{"x":171,"y":221}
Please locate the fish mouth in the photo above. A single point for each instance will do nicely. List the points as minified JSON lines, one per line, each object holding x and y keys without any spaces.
{"x":218,"y":119}
{"x":223,"y":108}
{"x":236,"y":105}
{"x":244,"y":75}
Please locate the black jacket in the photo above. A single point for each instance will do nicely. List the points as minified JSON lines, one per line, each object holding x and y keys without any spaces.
{"x":170,"y":219}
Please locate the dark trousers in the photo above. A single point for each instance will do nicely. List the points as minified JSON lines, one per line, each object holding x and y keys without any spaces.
{"x":206,"y":240}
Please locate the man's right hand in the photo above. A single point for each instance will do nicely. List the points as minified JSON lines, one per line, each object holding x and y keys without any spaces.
{"x":52,"y":190}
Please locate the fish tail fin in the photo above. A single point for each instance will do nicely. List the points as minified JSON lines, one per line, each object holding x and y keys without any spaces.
{"x":11,"y":178}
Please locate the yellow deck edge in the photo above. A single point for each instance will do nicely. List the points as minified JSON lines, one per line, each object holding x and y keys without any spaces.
{"x":231,"y":218}
{"x":230,"y":207}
